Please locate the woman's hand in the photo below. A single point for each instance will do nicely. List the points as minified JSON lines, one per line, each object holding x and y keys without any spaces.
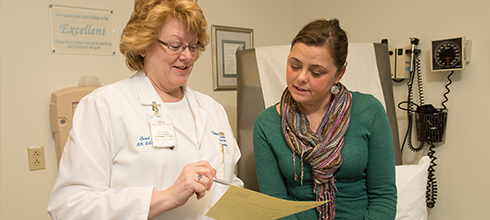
{"x":195,"y":178}
{"x":189,"y":182}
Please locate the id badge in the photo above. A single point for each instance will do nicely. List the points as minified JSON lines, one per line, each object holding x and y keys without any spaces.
{"x":162,"y":131}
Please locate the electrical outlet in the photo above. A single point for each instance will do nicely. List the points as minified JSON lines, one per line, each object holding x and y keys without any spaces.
{"x":35,"y":156}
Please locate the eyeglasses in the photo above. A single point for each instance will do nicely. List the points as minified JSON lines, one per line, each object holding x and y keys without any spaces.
{"x":179,"y":47}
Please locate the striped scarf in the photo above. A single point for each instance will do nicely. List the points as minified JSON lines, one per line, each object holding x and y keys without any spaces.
{"x":320,"y":149}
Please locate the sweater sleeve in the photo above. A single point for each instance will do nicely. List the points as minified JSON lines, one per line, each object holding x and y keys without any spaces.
{"x":271,"y":182}
{"x":381,"y":182}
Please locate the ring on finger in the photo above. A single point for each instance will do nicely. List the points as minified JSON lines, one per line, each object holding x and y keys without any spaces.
{"x":199,"y":177}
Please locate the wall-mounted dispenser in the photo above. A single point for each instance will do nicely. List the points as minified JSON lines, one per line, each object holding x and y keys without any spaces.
{"x":62,"y":107}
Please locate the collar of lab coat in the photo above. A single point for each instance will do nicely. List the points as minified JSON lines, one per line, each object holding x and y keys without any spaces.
{"x":147,"y":94}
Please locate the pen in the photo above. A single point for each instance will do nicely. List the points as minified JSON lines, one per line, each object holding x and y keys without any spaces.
{"x":222,"y":150}
{"x":224,"y":182}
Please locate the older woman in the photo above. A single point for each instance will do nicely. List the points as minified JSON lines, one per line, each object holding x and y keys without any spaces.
{"x":141,"y":148}
{"x":323,"y":142}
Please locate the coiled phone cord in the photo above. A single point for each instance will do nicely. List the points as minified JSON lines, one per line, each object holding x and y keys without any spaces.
{"x":419,"y":80}
{"x":447,"y":89}
{"x":431,"y":192}
{"x":411,"y":108}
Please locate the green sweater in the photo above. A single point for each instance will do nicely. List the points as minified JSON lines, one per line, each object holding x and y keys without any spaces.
{"x":365,"y":180}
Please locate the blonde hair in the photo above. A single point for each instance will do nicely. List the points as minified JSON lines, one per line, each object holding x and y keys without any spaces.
{"x":146,"y":21}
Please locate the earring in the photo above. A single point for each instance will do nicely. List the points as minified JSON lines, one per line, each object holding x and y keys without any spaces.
{"x":335,"y":89}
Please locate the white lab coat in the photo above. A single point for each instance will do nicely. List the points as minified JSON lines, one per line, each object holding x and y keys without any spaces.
{"x":109,"y":167}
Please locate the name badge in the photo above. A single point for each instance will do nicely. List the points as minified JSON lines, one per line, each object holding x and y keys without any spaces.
{"x":161,"y":130}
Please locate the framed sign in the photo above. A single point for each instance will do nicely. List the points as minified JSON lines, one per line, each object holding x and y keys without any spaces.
{"x":226,"y":41}
{"x":77,"y":30}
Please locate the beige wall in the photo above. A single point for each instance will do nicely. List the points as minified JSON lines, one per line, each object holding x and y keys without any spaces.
{"x":462,"y":172}
{"x":29,"y":73}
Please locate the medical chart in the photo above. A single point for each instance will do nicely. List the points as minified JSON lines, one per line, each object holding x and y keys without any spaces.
{"x":239,"y":203}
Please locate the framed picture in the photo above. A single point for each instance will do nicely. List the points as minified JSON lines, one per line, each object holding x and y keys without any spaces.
{"x":226,"y":41}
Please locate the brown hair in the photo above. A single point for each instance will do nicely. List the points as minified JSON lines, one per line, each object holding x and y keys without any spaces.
{"x":325,"y":33}
{"x":145,"y":23}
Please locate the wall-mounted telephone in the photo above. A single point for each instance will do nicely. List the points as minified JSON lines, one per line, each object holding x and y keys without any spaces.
{"x":61,"y":110}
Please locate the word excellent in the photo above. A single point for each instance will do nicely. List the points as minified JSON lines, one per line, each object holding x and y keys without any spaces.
{"x":87,"y":30}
